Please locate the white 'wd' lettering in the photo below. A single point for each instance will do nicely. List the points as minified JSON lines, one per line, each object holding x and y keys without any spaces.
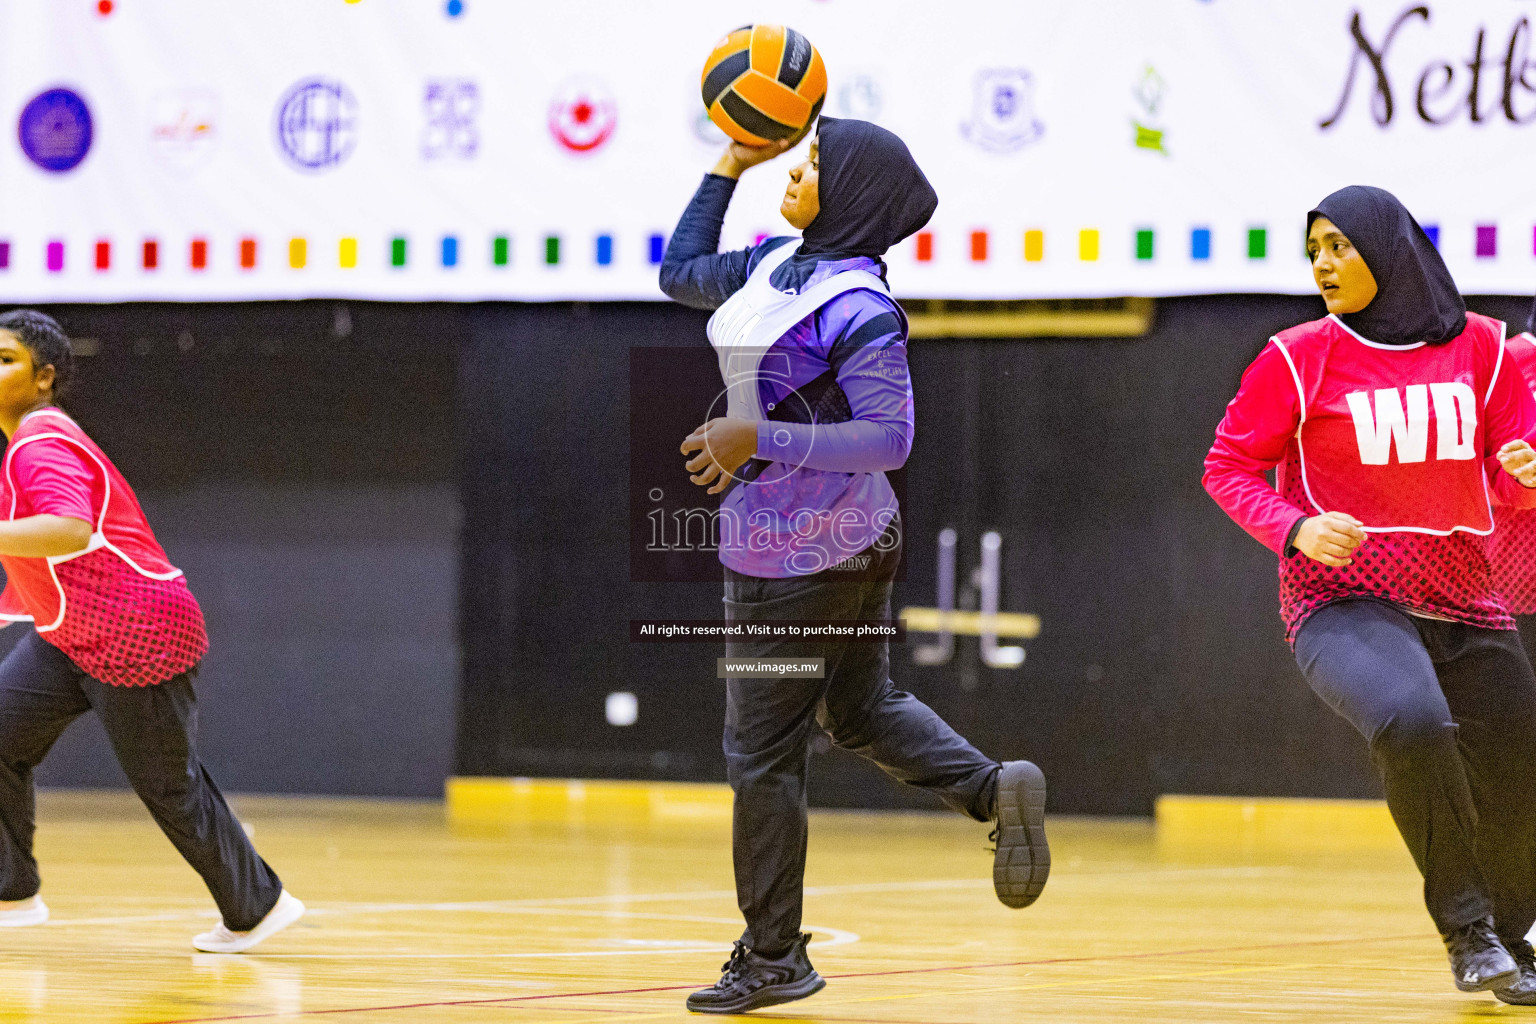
{"x":1375,"y":433}
{"x":1455,"y":403}
{"x":1407,"y":425}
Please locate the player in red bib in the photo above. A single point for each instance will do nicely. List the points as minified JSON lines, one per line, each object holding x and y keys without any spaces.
{"x":116,"y":631}
{"x":1512,"y":548}
{"x":1393,"y":422}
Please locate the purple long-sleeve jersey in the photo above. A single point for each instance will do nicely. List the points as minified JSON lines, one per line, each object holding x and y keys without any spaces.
{"x":824,"y":497}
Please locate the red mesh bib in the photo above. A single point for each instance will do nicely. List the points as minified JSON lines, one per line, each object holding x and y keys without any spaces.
{"x":1395,"y":435}
{"x":120,"y":611}
{"x":1445,"y":576}
{"x":1512,"y":552}
{"x":1512,"y":548}
{"x":125,"y":628}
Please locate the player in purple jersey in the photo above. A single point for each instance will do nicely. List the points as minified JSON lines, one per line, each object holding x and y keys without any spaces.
{"x":812,"y":349}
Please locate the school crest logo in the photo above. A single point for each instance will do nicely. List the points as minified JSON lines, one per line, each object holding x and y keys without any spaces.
{"x":452,"y":108}
{"x":55,"y":130}
{"x":583,"y":115}
{"x":183,"y":127}
{"x":1003,"y":111}
{"x":317,"y":124}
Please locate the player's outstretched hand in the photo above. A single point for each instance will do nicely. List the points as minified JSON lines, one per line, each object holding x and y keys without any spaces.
{"x":1519,"y":461}
{"x":1330,"y":538}
{"x":738,"y":158}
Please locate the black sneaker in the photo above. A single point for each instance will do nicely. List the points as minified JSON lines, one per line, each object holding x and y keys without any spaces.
{"x":1023,"y":860}
{"x":1479,"y":960}
{"x":1523,"y":991}
{"x":751,"y":981}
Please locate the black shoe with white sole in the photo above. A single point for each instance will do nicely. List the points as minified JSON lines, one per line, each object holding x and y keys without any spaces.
{"x":751,"y":981}
{"x":1023,"y":860}
{"x":1479,"y":961}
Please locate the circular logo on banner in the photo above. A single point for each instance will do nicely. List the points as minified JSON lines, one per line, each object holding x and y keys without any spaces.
{"x":1003,"y":110}
{"x":582,"y":115}
{"x":317,"y":124}
{"x":55,"y":130}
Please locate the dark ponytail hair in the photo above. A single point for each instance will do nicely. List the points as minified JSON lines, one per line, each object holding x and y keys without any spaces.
{"x":46,"y":340}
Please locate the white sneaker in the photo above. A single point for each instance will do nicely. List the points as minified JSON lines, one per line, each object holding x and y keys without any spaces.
{"x":221,"y":940}
{"x":34,"y":911}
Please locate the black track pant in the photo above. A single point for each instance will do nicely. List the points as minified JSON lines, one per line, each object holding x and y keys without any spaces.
{"x":769,"y":725}
{"x":1449,"y":711}
{"x":153,"y":731}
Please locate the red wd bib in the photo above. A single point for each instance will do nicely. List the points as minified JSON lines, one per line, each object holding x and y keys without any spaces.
{"x":1393,"y":435}
{"x":117,"y":608}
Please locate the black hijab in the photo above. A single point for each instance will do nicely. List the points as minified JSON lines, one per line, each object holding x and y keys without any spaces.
{"x":872,"y":194}
{"x":1530,"y":324}
{"x":1416,"y":300}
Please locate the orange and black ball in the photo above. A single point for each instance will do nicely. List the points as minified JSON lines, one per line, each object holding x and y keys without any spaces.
{"x":764,"y":83}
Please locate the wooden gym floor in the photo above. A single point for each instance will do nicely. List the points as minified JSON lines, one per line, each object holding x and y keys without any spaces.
{"x":600,"y":913}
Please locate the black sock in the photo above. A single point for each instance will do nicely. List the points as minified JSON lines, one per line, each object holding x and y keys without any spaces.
{"x":987,"y":798}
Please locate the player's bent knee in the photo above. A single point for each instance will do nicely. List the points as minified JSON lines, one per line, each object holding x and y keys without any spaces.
{"x":1414,"y":734}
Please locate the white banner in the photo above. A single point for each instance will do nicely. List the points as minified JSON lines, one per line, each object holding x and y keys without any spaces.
{"x":503,"y":149}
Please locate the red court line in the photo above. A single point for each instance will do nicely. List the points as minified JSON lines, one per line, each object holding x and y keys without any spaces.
{"x":811,"y":1018}
{"x":830,"y":977}
{"x":1130,"y":956}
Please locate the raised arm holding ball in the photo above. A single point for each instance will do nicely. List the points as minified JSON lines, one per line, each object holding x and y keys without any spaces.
{"x":812,"y":350}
